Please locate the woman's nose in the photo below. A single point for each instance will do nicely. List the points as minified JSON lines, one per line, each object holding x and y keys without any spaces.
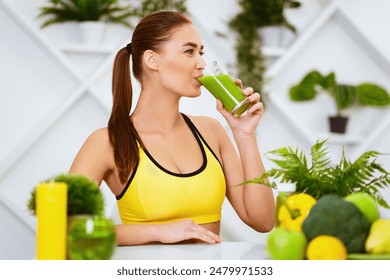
{"x":201,"y":64}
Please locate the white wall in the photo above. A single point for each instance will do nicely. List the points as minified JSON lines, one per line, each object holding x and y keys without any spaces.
{"x":54,"y":92}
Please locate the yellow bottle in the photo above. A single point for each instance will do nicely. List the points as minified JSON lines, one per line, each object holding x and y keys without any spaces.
{"x":51,"y":209}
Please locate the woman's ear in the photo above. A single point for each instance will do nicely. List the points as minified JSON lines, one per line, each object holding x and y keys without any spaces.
{"x":151,"y":59}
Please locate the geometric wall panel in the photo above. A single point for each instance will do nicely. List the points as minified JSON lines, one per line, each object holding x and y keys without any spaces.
{"x":54,"y":93}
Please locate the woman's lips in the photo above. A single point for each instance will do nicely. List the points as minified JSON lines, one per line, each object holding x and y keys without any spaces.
{"x":197,"y":79}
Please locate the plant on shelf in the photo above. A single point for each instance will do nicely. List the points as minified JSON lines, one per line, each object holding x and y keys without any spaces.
{"x":255,"y":14}
{"x":60,"y":11}
{"x":92,"y":15}
{"x":323,"y":177}
{"x":84,"y":195}
{"x":150,"y":6}
{"x":345,"y":96}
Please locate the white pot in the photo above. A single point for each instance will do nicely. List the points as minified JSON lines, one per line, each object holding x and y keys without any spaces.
{"x":276,"y":36}
{"x":92,"y":32}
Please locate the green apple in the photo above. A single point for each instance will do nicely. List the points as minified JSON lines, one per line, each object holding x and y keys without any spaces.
{"x":286,"y":244}
{"x":366,"y":204}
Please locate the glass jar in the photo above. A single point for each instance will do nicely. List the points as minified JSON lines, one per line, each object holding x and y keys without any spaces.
{"x":287,"y":189}
{"x":90,"y":237}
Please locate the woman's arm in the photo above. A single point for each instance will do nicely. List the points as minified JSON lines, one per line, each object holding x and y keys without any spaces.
{"x":254,"y":203}
{"x":95,"y":158}
{"x":164,"y":233}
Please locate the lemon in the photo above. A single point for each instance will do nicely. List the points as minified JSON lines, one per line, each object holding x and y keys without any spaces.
{"x":378,"y":240}
{"x":326,"y":247}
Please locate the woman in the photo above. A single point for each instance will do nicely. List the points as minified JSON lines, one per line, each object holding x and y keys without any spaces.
{"x":170,"y":172}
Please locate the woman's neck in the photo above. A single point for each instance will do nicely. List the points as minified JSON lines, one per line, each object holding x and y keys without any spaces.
{"x":156,"y":112}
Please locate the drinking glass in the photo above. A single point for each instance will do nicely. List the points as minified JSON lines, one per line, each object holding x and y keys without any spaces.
{"x":218,"y":82}
{"x":90,"y":237}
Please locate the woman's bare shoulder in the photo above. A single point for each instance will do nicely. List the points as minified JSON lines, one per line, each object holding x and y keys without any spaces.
{"x":98,"y":142}
{"x":212,"y":130}
{"x":206,"y":123}
{"x":95,"y":156}
{"x":99,"y":136}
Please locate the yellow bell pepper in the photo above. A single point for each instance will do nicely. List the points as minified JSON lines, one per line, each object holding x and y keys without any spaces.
{"x":294,"y":210}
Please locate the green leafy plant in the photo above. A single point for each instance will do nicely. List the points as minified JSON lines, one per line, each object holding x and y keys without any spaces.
{"x":256,"y":14}
{"x":59,"y":11}
{"x":345,"y":96}
{"x":150,"y":6}
{"x":84,"y":195}
{"x":322,"y":177}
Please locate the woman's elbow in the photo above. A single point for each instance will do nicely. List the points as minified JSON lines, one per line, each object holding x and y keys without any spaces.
{"x":264,"y":224}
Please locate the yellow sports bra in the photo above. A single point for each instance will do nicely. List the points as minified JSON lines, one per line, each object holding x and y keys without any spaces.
{"x":156,"y":195}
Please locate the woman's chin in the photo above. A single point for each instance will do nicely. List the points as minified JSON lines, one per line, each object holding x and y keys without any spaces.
{"x":194,"y":93}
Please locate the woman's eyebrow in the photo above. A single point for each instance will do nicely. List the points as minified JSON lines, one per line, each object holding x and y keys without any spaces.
{"x":194,"y":45}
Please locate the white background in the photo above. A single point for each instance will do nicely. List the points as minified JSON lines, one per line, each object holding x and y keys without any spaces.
{"x":55,"y":91}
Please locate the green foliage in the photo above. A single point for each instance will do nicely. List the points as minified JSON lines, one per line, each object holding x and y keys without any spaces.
{"x":262,"y":13}
{"x":345,"y":96}
{"x":334,"y":216}
{"x":322,"y":177}
{"x":84,"y":195}
{"x":59,"y":11}
{"x":152,"y":6}
{"x":372,"y":95}
{"x":255,"y":14}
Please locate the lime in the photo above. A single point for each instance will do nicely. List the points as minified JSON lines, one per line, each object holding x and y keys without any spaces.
{"x":366,"y":204}
{"x":286,"y":244}
{"x":326,"y":247}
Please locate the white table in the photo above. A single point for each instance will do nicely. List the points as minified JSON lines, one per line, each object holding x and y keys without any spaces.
{"x":220,"y":251}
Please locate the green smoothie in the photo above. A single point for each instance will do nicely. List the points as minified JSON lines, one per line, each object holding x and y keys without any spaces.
{"x":225,"y":89}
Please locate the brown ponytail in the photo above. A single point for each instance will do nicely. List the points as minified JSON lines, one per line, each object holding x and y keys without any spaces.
{"x":123,"y":137}
{"x":151,"y":32}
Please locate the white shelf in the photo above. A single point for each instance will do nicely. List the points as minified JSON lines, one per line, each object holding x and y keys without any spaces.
{"x":273,"y":51}
{"x":333,"y":14}
{"x":343,"y":139}
{"x":86,"y":48}
{"x":78,"y":99}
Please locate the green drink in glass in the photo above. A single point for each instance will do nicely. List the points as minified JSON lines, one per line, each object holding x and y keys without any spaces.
{"x":91,"y":238}
{"x":218,"y":82}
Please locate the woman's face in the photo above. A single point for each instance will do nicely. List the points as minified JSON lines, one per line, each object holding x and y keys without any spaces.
{"x":181,"y":62}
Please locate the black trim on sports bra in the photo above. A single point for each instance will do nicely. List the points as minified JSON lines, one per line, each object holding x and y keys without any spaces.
{"x":199,"y":170}
{"x":191,"y":124}
{"x":127,"y":184}
{"x":199,"y":138}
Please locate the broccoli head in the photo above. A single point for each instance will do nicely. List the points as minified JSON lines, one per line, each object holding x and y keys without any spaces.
{"x":332,"y":215}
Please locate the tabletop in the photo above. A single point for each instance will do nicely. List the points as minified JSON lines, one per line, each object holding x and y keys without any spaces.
{"x":220,"y":251}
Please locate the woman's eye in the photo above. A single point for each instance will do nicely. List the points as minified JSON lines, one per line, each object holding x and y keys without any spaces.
{"x":192,"y":51}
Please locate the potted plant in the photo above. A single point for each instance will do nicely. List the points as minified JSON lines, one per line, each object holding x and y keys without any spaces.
{"x":150,"y":6}
{"x":273,"y":25}
{"x":344,"y":96}
{"x":255,"y":15}
{"x":322,"y":177}
{"x":84,"y":196}
{"x":86,"y":222}
{"x":87,"y":13}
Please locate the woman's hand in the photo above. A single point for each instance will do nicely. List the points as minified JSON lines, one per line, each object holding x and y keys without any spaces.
{"x":244,"y":125}
{"x":185,"y":230}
